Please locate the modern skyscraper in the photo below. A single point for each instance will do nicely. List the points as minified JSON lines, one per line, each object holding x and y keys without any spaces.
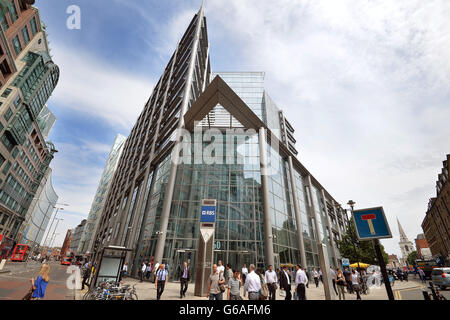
{"x":27,"y":79}
{"x":87,"y":236}
{"x":236,"y":147}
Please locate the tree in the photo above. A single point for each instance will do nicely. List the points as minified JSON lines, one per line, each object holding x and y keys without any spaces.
{"x":365,"y":250}
{"x":412,"y":257}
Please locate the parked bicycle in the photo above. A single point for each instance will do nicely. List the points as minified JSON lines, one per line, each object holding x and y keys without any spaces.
{"x":111,"y":291}
{"x":435,"y":294}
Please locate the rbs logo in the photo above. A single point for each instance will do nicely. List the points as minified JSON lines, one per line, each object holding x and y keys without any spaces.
{"x":208,"y":214}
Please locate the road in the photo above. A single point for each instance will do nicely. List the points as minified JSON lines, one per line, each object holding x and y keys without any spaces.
{"x":416,"y":293}
{"x":15,"y":284}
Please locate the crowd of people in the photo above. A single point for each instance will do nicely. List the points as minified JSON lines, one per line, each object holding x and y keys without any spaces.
{"x":226,"y":282}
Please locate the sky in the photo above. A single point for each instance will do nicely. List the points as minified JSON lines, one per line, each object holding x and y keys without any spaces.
{"x":366,"y":85}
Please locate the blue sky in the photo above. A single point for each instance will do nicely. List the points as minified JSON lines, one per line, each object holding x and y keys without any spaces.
{"x":365,"y":84}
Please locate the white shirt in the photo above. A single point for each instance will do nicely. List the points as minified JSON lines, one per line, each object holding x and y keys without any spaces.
{"x":221,"y":269}
{"x":156,"y":267}
{"x":315,"y":274}
{"x":333,"y":273}
{"x":300,"y":277}
{"x":271,"y":277}
{"x":244,"y":271}
{"x":144,"y":267}
{"x":125,"y":267}
{"x":355,"y":279}
{"x":288,"y":277}
{"x":252,"y":283}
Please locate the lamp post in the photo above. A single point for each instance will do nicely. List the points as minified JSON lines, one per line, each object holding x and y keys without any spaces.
{"x":352,"y":203}
{"x":51,"y":244}
{"x":56,"y":227}
{"x":57,"y":210}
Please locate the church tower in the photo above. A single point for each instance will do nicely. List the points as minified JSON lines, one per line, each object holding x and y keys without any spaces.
{"x":406,"y":246}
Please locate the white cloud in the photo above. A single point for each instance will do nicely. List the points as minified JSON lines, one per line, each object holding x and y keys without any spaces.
{"x":366,"y":85}
{"x":97,"y":89}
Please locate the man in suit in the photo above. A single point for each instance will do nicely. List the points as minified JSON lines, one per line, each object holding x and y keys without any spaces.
{"x":185,"y":277}
{"x":285,"y":282}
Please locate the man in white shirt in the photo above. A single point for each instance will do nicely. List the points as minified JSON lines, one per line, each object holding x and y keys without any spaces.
{"x":285,"y":282}
{"x":220,"y":267}
{"x":300,"y":282}
{"x":333,"y":276}
{"x":252,"y":284}
{"x":271,"y":280}
{"x":244,"y":272}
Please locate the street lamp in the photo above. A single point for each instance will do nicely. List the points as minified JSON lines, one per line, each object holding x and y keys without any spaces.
{"x":352,"y":203}
{"x":56,"y":227}
{"x":56,"y":234}
{"x":57,"y":209}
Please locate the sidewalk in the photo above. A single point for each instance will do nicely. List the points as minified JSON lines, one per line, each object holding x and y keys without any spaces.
{"x":147,"y":291}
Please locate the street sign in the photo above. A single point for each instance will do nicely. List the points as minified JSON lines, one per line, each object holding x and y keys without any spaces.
{"x":208,"y":214}
{"x":371,"y":224}
{"x":345,"y":262}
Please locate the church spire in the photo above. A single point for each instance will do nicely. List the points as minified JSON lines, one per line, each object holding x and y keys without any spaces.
{"x":403,"y":237}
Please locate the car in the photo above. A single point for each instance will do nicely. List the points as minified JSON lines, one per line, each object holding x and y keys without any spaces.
{"x":441,"y":277}
{"x":66,"y":261}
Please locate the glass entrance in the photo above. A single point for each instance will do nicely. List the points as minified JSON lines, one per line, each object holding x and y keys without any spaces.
{"x":238,"y":259}
{"x":180,"y":257}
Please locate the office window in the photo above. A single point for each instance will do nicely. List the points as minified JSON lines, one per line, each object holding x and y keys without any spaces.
{"x":8,"y":114}
{"x":7,"y":167}
{"x":16,"y":44}
{"x":33,"y":26}
{"x":25,"y":34}
{"x":7,"y":143}
{"x":17,"y":101}
{"x":12,"y":11}
{"x":6,"y":93}
{"x":3,"y":21}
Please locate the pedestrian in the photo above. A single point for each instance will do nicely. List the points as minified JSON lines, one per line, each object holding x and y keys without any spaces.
{"x":215,"y":284}
{"x":320,"y":275}
{"x":86,"y":275}
{"x":220,"y":267}
{"x":244,"y":273}
{"x":348,"y":280}
{"x":142,"y":271}
{"x":234,"y":286}
{"x":162,"y":277}
{"x":148,"y":271}
{"x":228,"y":273}
{"x":307,"y":278}
{"x":39,"y":285}
{"x":285,"y":282}
{"x":356,"y":280}
{"x":271,"y":280}
{"x":264,"y":291}
{"x":316,"y":277}
{"x":300,"y":283}
{"x":341,"y":283}
{"x":252,"y":284}
{"x":422,"y":275}
{"x":155,"y":270}
{"x":333,"y":275}
{"x":185,"y":277}
{"x":125,"y":270}
{"x":400,"y":274}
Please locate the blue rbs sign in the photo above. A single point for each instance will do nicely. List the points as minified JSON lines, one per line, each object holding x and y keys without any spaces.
{"x":208,"y":214}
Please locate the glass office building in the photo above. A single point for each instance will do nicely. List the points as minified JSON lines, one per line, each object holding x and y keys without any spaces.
{"x":236,"y":147}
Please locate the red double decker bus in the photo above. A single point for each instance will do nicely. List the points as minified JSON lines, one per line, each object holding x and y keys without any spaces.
{"x":6,"y":245}
{"x":21,"y":253}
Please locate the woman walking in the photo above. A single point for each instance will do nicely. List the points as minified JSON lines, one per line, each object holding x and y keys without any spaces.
{"x":341,"y":283}
{"x":355,"y":283}
{"x":316,"y":277}
{"x":39,"y":285}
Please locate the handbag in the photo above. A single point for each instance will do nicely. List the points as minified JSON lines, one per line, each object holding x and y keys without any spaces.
{"x":221,"y":286}
{"x":29,"y":295}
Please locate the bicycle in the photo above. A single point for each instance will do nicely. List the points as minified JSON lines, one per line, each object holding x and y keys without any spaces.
{"x":435,"y":294}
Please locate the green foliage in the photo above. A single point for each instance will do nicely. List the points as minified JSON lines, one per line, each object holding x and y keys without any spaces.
{"x":365,"y":251}
{"x":412,"y":258}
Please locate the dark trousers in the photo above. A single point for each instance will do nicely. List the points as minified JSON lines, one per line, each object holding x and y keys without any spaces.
{"x":183,"y":286}
{"x":272,"y":291}
{"x":160,"y":289}
{"x":85,"y":279}
{"x":316,"y":281}
{"x":288,"y":294}
{"x":141,"y":276}
{"x":349,"y":286}
{"x":334,"y":286}
{"x":243,"y":278}
{"x":301,"y":292}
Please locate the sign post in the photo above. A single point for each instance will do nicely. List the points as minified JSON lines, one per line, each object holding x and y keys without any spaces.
{"x":371,"y":224}
{"x":206,"y":246}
